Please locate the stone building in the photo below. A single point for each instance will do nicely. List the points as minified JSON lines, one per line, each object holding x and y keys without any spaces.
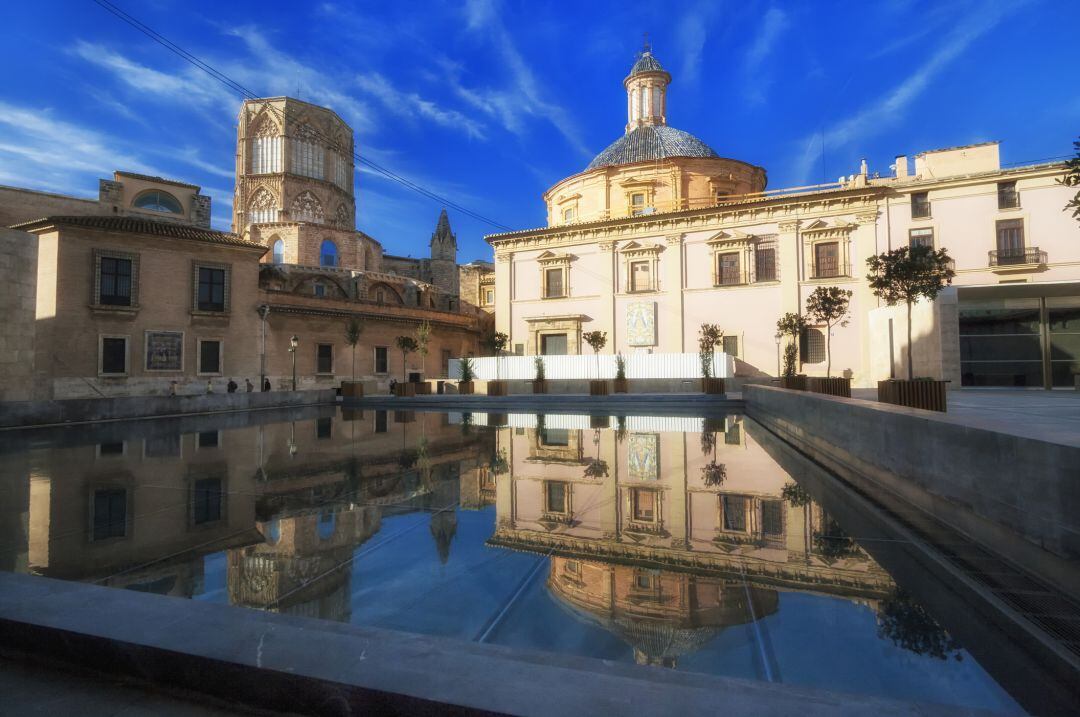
{"x":477,"y":279}
{"x":659,"y":235}
{"x":113,"y":315}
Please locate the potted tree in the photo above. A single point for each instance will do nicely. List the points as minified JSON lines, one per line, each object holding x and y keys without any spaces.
{"x":597,"y":340}
{"x":468,"y":373}
{"x":621,"y":385}
{"x":709,"y":336}
{"x":829,"y":305}
{"x":423,"y":338}
{"x":407,"y":345}
{"x":906,"y":275}
{"x":791,"y":325}
{"x":353,"y":388}
{"x":539,"y":384}
{"x":496,"y":343}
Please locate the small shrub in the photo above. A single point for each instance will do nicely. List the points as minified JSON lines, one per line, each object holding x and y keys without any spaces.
{"x":538,"y":362}
{"x":468,"y":372}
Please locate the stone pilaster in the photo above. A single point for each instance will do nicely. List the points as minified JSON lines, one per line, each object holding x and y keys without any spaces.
{"x":608,"y":282}
{"x":863,"y":245}
{"x":672,"y":328}
{"x":791,"y":265}
{"x":504,"y":273}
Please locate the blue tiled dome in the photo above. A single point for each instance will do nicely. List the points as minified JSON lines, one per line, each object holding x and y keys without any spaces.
{"x":650,"y":143}
{"x":646,"y":63}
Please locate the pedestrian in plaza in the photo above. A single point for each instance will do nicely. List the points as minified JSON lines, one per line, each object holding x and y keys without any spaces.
{"x":249,"y":385}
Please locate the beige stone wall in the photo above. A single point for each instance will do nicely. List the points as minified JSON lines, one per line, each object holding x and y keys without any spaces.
{"x":935,"y":343}
{"x":18,"y":294}
{"x":24,"y":205}
{"x":69,"y":329}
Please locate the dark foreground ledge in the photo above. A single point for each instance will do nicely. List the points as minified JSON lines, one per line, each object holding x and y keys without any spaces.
{"x":23,"y":414}
{"x":296,"y":664}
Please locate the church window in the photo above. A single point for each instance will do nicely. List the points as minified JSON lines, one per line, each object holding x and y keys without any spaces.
{"x":307,"y":208}
{"x":279,"y":251}
{"x":324,"y":358}
{"x":341,"y":171}
{"x":644,"y":504}
{"x":263,"y":207}
{"x":765,"y":261}
{"x":265,"y":147}
{"x":382,"y":360}
{"x":637,"y":203}
{"x":826,"y":259}
{"x":553,"y":283}
{"x":307,"y":154}
{"x":727,"y":269}
{"x":555,"y":496}
{"x":319,"y":289}
{"x":158,"y":201}
{"x":211,"y":289}
{"x":641,"y":276}
{"x":209,"y":356}
{"x":114,"y":355}
{"x":656,"y":102}
{"x":328,"y":253}
{"x":569,"y":214}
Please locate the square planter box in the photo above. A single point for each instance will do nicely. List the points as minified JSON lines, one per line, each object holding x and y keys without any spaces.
{"x":539,"y":386}
{"x":795,"y":383}
{"x":423,"y":388}
{"x":598,"y":388}
{"x":496,"y":388}
{"x":921,"y":393}
{"x":712,"y":385}
{"x":621,"y":385}
{"x":403,"y":390}
{"x":829,"y":386}
{"x":352,"y":389}
{"x":466,"y":388}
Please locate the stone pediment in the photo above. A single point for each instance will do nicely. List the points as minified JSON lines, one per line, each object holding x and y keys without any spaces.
{"x":729,"y":236}
{"x":635,"y":248}
{"x":819,"y":228}
{"x":552,"y":258}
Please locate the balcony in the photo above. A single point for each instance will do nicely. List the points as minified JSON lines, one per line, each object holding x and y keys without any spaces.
{"x":829,"y":268}
{"x":1023,"y":259}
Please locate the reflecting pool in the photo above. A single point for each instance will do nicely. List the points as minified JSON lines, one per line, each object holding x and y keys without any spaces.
{"x":669,"y":542}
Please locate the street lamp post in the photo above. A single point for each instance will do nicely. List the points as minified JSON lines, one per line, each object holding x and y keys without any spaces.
{"x":264,"y":311}
{"x":778,"y":336}
{"x":293,"y":343}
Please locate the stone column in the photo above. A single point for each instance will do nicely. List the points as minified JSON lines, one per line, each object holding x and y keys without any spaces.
{"x":608,"y":282}
{"x":504,"y":289}
{"x":862,"y":245}
{"x":670,"y":313}
{"x":790,"y":265}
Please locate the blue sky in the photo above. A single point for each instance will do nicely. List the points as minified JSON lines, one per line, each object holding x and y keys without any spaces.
{"x":489,"y":103}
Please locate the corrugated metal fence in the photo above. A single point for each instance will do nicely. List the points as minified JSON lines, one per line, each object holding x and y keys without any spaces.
{"x":583,"y":366}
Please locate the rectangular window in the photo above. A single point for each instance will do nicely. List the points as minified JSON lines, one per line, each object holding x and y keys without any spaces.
{"x":265,"y":157}
{"x":733,"y":434}
{"x":556,"y":437}
{"x":519,"y":349}
{"x":113,"y":355}
{"x":727,"y":269}
{"x":324,"y":428}
{"x":920,"y":205}
{"x":445,"y":361}
{"x":772,"y":518}
{"x":381,"y":362}
{"x":568,"y":214}
{"x":555,"y":496}
{"x":110,"y":513}
{"x":380,"y":421}
{"x":115,"y":282}
{"x":208,"y":439}
{"x":730,"y":345}
{"x":206,"y":501}
{"x":765,"y":262}
{"x":489,"y":297}
{"x":644,"y":504}
{"x":640,"y":276}
{"x":324,"y":358}
{"x":307,"y":158}
{"x":1007,"y":195}
{"x":209,"y":357}
{"x":211,"y":289}
{"x":734,"y":508}
{"x":643,"y":581}
{"x":637,"y":203}
{"x":111,"y":449}
{"x":921,"y":237}
{"x":553,"y":344}
{"x":553,"y":283}
{"x":1010,"y":241}
{"x":826,"y":260}
{"x":812,"y":346}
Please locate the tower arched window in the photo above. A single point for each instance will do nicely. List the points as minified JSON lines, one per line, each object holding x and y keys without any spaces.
{"x":157,"y":201}
{"x":265,"y":147}
{"x":307,"y":153}
{"x":278,"y":248}
{"x":328,"y":253}
{"x":263,"y":207}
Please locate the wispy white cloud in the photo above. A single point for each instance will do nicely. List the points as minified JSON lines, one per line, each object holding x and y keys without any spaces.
{"x":412,"y":105}
{"x":758,"y":76}
{"x":525,"y":97}
{"x":892,"y":107}
{"x":691,"y":33}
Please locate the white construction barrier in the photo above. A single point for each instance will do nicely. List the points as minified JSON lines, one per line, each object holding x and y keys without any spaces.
{"x":585,"y":366}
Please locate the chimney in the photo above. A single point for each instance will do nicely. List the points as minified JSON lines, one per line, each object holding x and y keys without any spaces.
{"x":901,"y":166}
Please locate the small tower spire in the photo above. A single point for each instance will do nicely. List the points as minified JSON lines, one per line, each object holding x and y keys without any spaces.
{"x":646,"y":90}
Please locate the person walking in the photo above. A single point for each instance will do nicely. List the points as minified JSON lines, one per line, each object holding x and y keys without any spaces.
{"x":249,"y":385}
{"x":231,"y":386}
{"x":266,"y":384}
{"x":209,"y":385}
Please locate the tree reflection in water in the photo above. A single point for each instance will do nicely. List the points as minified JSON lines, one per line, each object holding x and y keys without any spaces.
{"x":795,"y":495}
{"x":910,"y":627}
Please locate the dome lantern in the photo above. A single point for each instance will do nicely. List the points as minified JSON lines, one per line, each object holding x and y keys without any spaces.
{"x":646,"y":92}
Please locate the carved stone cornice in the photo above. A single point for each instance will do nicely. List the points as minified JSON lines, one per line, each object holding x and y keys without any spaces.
{"x":788,"y":227}
{"x":867,"y":217}
{"x":504,"y":257}
{"x":607,"y":245}
{"x":636,"y":249}
{"x":674,"y":239}
{"x":550,"y":258}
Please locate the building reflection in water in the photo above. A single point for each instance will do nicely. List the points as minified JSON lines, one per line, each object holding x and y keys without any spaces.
{"x":664,"y":531}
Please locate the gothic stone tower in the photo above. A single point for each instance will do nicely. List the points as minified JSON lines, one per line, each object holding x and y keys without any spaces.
{"x":443,"y":263}
{"x":294,"y":183}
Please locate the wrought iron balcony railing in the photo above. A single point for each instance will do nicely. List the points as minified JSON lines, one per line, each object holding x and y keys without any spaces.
{"x":1014,"y":257}
{"x":823,"y":268}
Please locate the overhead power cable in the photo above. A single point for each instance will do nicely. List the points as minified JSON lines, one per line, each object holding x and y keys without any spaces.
{"x":246,"y":93}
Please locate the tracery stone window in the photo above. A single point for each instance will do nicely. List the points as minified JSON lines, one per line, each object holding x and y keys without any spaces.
{"x":307,"y":208}
{"x":342,"y":218}
{"x":342,"y":167}
{"x":262,"y":208}
{"x":265,"y":147}
{"x":307,"y":153}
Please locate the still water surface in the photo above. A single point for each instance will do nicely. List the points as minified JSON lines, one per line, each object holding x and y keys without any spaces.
{"x":677,"y":543}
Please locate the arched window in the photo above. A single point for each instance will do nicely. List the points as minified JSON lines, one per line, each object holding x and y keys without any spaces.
{"x":278,"y":248}
{"x":157,"y":201}
{"x":307,"y":153}
{"x":263,"y":207}
{"x":328,"y":255}
{"x":265,"y":147}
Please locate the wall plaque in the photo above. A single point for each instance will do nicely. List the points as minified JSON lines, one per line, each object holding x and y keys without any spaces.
{"x":164,"y":351}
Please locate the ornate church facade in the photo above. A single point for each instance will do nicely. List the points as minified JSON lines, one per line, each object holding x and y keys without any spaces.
{"x":660,"y":234}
